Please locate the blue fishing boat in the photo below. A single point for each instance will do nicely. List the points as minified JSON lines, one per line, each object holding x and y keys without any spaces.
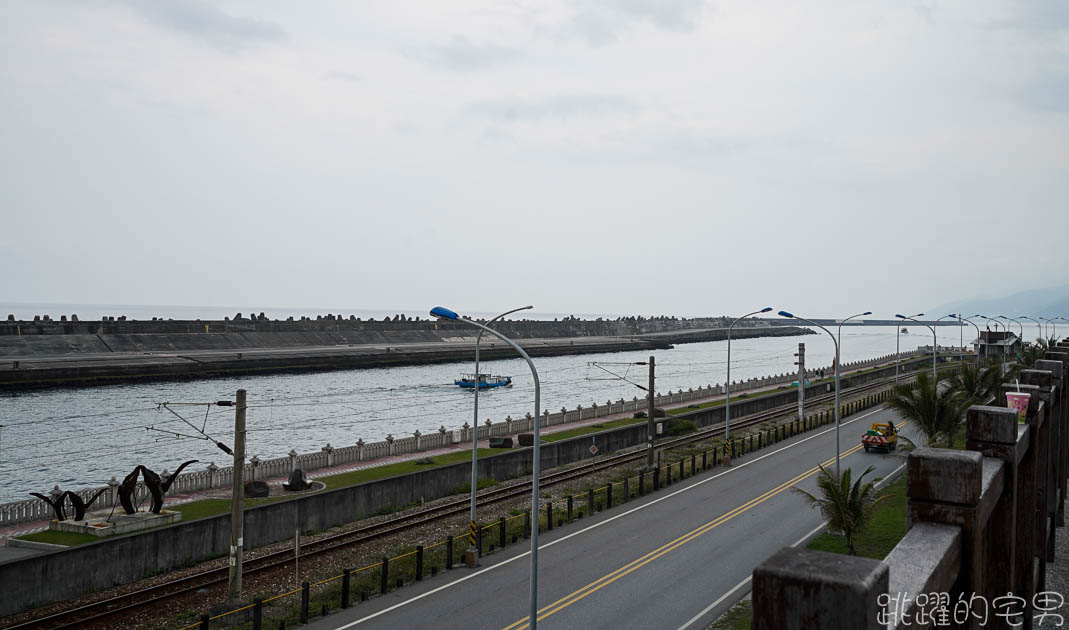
{"x":485,"y":381}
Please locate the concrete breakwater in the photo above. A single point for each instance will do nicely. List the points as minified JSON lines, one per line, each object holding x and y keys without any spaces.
{"x":212,"y":476}
{"x":45,"y":353}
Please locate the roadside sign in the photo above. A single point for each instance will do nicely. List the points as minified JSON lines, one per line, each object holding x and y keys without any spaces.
{"x":593,"y":449}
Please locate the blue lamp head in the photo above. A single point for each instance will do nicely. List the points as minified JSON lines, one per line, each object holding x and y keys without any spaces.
{"x":919,"y":315}
{"x":442,"y":312}
{"x":952,"y":315}
{"x":786,"y":314}
{"x":766,"y":309}
{"x":867,"y":313}
{"x":900,"y":316}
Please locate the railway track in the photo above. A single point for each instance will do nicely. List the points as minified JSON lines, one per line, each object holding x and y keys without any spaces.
{"x":95,"y":614}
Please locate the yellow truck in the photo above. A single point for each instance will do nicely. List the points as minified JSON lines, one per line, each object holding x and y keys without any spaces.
{"x":881,"y":436}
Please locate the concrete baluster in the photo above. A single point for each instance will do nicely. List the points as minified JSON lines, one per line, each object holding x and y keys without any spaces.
{"x":799,"y":589}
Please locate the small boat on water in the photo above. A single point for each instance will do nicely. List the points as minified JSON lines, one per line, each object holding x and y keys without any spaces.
{"x":485,"y":381}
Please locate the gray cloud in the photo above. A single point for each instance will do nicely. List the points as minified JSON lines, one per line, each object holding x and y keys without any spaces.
{"x":1035,"y":17}
{"x":344,"y":76}
{"x":602,"y":24}
{"x":205,"y":22}
{"x":461,"y":54}
{"x":555,"y":108}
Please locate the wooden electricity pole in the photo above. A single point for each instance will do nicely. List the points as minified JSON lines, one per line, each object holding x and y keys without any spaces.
{"x":237,"y":505}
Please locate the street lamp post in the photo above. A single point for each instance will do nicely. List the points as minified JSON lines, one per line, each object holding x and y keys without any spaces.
{"x":472,"y":552}
{"x":898,"y":353}
{"x":1036,"y":322}
{"x":1051,"y":322}
{"x":951,"y":316}
{"x":444,"y":313}
{"x":727,"y":383}
{"x":1016,"y":322}
{"x":977,"y":334}
{"x":935,"y":343}
{"x":836,"y":342}
{"x":984,"y":317}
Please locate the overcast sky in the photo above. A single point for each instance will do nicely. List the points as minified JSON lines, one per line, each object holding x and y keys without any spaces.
{"x":679,"y":157}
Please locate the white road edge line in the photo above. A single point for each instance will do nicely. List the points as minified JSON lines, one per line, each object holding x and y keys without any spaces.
{"x":735,"y":588}
{"x":596,"y":525}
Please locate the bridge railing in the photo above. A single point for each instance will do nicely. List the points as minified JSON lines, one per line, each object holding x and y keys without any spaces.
{"x":981,"y":528}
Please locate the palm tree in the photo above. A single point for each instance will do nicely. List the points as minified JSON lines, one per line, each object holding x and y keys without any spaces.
{"x":847,"y":507}
{"x":976,"y":382}
{"x":936,"y":410}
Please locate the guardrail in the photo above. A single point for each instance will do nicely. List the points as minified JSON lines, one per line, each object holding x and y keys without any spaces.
{"x":981,"y":529}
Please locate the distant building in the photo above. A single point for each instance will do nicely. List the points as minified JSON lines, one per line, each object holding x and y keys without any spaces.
{"x":1000,"y":344}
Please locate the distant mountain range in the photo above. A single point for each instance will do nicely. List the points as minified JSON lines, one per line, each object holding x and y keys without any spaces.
{"x":1049,"y":302}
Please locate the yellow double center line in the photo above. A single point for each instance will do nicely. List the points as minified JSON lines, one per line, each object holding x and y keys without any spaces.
{"x":638,"y":563}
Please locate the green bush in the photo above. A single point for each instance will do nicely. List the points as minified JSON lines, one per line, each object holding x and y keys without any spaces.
{"x":682,"y":427}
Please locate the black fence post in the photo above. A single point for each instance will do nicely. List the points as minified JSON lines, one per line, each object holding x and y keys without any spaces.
{"x":656,"y":479}
{"x":204,"y":621}
{"x":571,"y":505}
{"x":693,"y":463}
{"x":304,"y":602}
{"x":732,"y":449}
{"x":751,"y":442}
{"x":716,"y":457}
{"x":627,"y":491}
{"x":668,"y":475}
{"x":258,"y":614}
{"x":759,"y":445}
{"x":526,"y":524}
{"x":479,"y":540}
{"x":590,"y":501}
{"x":608,"y":495}
{"x":642,"y":483}
{"x":346,"y":581}
{"x":384,"y":582}
{"x":549,"y":515}
{"x":705,"y":460}
{"x":419,"y":562}
{"x":448,"y":553}
{"x":502,"y":532}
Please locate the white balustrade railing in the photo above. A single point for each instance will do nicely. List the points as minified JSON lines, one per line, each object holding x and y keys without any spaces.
{"x":214,"y":477}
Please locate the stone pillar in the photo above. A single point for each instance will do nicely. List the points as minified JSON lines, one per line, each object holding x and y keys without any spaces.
{"x":508,"y":425}
{"x":113,"y":491}
{"x":389,"y":444}
{"x":293,"y":460}
{"x":466,"y":434}
{"x":419,"y":440}
{"x":798,"y":589}
{"x":992,"y":432}
{"x":545,"y":418}
{"x":213,"y":475}
{"x":329,"y":450}
{"x":254,"y":474}
{"x":488,"y":428}
{"x":441,"y":435}
{"x":945,"y":486}
{"x":360,"y":449}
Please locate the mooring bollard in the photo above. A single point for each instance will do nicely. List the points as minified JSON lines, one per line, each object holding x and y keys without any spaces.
{"x":448,"y":553}
{"x":304,"y":602}
{"x":384,"y":584}
{"x":419,"y":562}
{"x":346,"y":578}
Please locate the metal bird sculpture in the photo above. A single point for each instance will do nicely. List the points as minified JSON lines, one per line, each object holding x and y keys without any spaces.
{"x":81,"y":506}
{"x":57,"y":504}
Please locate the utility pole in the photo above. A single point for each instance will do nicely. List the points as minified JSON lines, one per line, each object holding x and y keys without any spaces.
{"x":801,"y":380}
{"x":237,"y":513}
{"x":651,"y":424}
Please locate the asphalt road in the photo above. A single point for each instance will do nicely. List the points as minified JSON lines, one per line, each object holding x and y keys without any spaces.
{"x":674,"y":559}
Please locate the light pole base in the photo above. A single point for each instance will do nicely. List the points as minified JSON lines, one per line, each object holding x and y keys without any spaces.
{"x":471,"y":558}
